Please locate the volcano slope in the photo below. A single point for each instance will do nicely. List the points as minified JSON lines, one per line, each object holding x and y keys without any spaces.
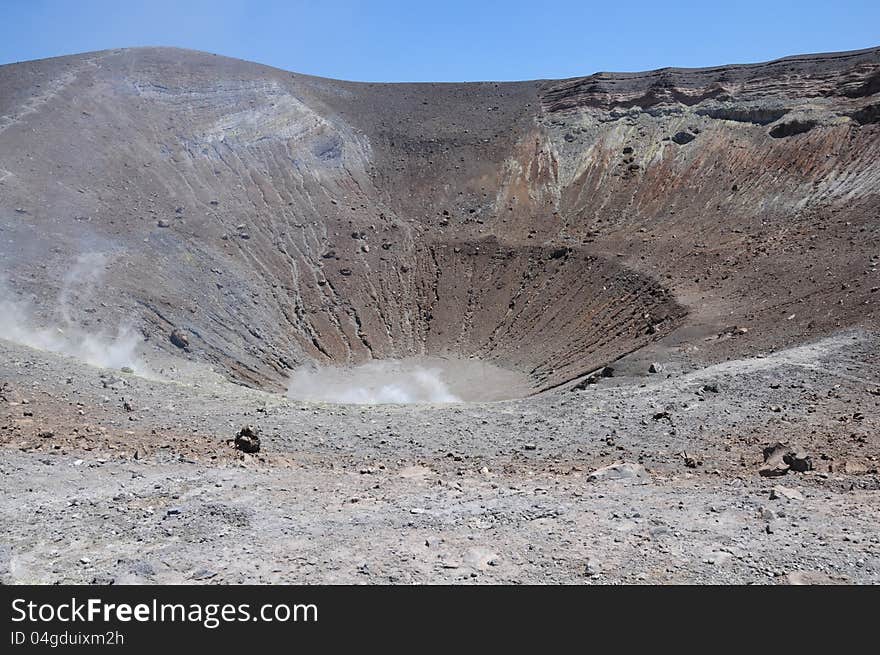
{"x":216,"y":227}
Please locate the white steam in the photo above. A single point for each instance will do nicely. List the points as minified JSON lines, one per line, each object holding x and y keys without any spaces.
{"x":115,"y":349}
{"x":372,"y":383}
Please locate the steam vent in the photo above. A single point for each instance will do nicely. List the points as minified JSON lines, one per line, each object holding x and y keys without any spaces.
{"x":547,"y":228}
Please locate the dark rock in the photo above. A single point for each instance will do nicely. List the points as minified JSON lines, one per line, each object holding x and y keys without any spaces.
{"x":103,"y":579}
{"x":178,"y":338}
{"x":773,"y":470}
{"x":248,"y":440}
{"x":799,"y":461}
{"x":776,"y":450}
{"x":867,"y":115}
{"x":791,"y":128}
{"x":594,"y":377}
{"x":780,"y":458}
{"x":682,"y":138}
{"x":655,"y":368}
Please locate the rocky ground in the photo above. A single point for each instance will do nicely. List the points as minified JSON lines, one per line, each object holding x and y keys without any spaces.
{"x":110,"y":477}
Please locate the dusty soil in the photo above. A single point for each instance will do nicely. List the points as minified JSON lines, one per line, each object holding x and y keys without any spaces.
{"x":496,"y":492}
{"x":234,"y":225}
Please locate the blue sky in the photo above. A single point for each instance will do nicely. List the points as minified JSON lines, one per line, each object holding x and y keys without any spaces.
{"x":446,"y":41}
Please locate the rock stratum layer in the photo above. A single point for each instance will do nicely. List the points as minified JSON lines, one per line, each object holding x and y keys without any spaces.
{"x":547,"y":227}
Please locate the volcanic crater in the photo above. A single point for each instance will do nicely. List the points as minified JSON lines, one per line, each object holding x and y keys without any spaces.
{"x":675,"y":269}
{"x":547,"y":228}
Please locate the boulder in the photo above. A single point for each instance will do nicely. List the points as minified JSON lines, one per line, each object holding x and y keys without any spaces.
{"x":248,"y":440}
{"x":178,"y":338}
{"x":780,"y":458}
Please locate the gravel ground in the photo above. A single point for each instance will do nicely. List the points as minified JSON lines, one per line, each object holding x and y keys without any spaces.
{"x":111,"y":477}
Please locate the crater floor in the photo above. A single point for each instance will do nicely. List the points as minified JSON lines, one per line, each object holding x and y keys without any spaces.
{"x":137,"y":482}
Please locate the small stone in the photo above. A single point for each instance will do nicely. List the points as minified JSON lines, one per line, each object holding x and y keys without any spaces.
{"x":248,"y":440}
{"x":591,"y":568}
{"x":767,"y":514}
{"x":681,"y":138}
{"x":773,"y":470}
{"x":655,"y":367}
{"x":779,"y":492}
{"x":775,"y":463}
{"x":799,"y":461}
{"x":594,"y":377}
{"x":619,"y":471}
{"x":718,"y":558}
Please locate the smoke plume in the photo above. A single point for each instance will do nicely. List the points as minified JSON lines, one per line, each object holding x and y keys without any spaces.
{"x":372,"y":383}
{"x":64,"y":334}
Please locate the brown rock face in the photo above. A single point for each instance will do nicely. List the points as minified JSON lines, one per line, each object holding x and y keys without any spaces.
{"x":547,"y":227}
